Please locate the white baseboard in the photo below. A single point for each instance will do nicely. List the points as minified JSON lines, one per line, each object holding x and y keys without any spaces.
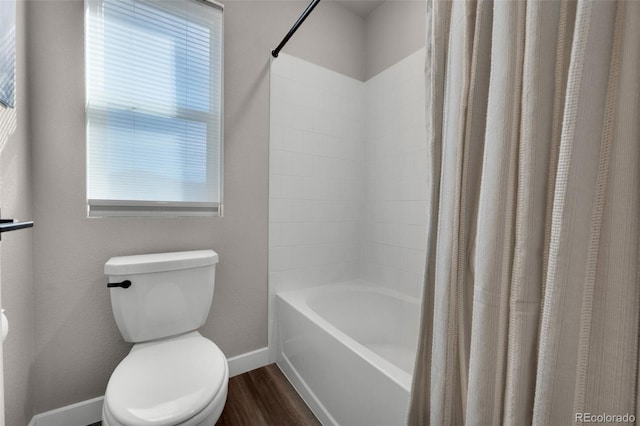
{"x":90,"y":411}
{"x":248,"y":361}
{"x":80,"y":414}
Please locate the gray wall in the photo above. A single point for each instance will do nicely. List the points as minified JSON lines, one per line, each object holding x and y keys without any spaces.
{"x":16,"y":261}
{"x":77,"y":342}
{"x":393,"y":31}
{"x":332,"y":37}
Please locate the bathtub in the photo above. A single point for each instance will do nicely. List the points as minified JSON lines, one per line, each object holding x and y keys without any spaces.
{"x":349,"y":351}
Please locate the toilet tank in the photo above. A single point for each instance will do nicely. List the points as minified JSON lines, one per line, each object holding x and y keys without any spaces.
{"x":170,"y":293}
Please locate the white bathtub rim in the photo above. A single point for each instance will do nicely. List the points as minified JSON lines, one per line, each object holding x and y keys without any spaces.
{"x":357,"y":283}
{"x":390,"y":370}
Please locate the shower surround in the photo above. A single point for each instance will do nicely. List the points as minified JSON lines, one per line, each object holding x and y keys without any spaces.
{"x":347,"y":201}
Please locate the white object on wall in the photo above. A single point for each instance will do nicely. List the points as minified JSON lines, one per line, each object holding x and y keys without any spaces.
{"x":5,"y":326}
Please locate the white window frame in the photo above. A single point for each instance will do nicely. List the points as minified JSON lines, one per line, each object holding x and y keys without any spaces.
{"x":100,"y":208}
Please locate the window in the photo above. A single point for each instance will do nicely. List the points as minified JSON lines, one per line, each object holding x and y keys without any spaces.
{"x":154,"y":107}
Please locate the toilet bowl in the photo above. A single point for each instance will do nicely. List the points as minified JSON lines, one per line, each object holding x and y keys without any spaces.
{"x":176,"y":381}
{"x":172,"y":375}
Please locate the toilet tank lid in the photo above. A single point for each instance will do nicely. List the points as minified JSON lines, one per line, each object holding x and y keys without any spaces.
{"x":159,"y":262}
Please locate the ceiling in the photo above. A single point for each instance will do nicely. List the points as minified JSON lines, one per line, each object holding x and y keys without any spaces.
{"x":361,"y":8}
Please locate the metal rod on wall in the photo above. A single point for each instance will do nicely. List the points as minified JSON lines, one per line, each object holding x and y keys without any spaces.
{"x":293,"y":29}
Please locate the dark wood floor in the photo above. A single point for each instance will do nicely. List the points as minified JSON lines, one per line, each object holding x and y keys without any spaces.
{"x":264,"y":397}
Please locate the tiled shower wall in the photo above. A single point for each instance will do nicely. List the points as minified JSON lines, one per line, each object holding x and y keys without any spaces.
{"x":395,"y":177}
{"x":315,"y":178}
{"x":347,"y":176}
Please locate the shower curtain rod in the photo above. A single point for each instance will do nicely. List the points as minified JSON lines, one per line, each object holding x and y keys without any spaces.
{"x":293,"y":29}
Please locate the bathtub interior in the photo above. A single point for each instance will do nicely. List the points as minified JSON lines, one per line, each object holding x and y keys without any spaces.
{"x":383,"y":321}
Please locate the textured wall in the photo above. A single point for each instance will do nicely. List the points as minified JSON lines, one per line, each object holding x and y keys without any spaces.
{"x":393,"y":31}
{"x":77,"y":342}
{"x":16,"y":260}
{"x":332,"y":36}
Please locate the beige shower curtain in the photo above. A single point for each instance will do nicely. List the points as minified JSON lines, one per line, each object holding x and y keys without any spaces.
{"x":532,"y":291}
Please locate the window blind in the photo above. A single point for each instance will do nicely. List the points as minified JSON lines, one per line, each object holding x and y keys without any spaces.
{"x":154,"y":107}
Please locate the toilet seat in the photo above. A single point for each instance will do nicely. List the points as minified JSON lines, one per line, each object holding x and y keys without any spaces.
{"x":176,"y":381}
{"x":207,"y":417}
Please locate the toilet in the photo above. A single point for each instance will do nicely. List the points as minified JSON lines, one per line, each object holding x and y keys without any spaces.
{"x":172,"y":375}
